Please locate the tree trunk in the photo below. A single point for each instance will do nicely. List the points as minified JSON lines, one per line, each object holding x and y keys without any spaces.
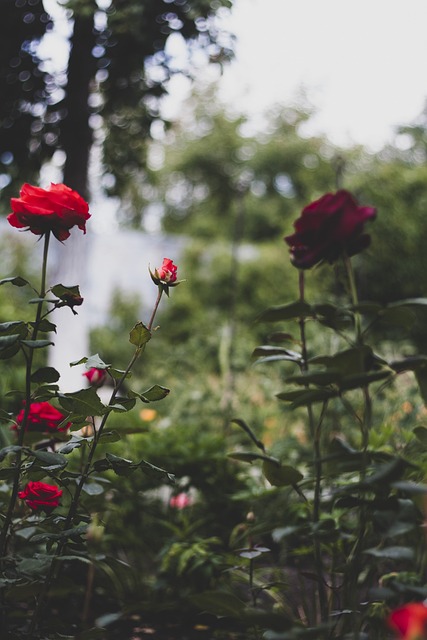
{"x":76,"y":132}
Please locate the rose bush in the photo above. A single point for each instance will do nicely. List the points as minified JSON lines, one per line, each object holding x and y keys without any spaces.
{"x":40,"y":496}
{"x":55,"y":209}
{"x":42,"y":417}
{"x":328,"y":228}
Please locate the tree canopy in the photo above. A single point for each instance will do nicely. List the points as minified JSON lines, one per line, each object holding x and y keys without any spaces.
{"x":118,"y":69}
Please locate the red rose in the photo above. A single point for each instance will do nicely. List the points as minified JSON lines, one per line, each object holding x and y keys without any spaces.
{"x":327,"y":228}
{"x":410,"y":621}
{"x":43,"y":417}
{"x":40,"y":496}
{"x":167,"y":272}
{"x":55,"y":209}
{"x":96,"y":377}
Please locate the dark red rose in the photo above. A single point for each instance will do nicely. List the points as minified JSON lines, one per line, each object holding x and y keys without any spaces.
{"x":43,"y":417}
{"x":328,"y":228}
{"x":55,"y":209}
{"x":96,"y":377}
{"x":40,"y":496}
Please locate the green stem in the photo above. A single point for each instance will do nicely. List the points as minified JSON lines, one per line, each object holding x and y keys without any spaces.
{"x":355,"y":558}
{"x":23,"y":426}
{"x":354,"y":299}
{"x":52,"y":573}
{"x":317,"y":463}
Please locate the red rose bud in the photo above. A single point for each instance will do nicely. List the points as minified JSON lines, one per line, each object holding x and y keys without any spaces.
{"x":410,"y":621}
{"x":328,"y":228}
{"x":55,"y":209}
{"x":165,"y":276}
{"x":42,"y":417}
{"x":40,"y":496}
{"x":167,"y":272}
{"x":96,"y":377}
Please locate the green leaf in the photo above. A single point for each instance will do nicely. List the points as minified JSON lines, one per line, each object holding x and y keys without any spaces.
{"x":280,"y":475}
{"x":45,"y":374}
{"x":152,"y":394}
{"x":93,"y":488}
{"x":44,"y":325}
{"x":15,"y":327}
{"x":421,"y":434}
{"x":303,"y":398}
{"x":156,"y":392}
{"x":122,"y":405}
{"x":152,"y":471}
{"x":85,"y":402}
{"x":219,"y":603}
{"x":321,"y":378}
{"x":9,"y":340}
{"x":13,"y":448}
{"x":411,"y":363}
{"x":60,"y":290}
{"x":401,"y":316}
{"x":71,"y":445}
{"x":37,"y":344}
{"x":392,"y":553}
{"x":248,"y":456}
{"x":287,"y":312}
{"x":285,"y":354}
{"x":139,"y":335}
{"x":421,"y":376}
{"x":17,"y":281}
{"x":49,"y":461}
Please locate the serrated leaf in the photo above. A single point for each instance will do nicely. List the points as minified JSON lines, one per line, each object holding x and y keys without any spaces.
{"x":139,"y":335}
{"x":152,"y":394}
{"x":44,"y":325}
{"x":85,"y":402}
{"x":60,"y":290}
{"x":49,"y":460}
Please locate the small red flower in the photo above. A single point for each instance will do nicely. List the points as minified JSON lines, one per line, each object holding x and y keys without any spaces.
{"x":42,"y":417}
{"x":96,"y":377}
{"x":180,"y":501}
{"x":410,"y":621}
{"x":40,"y":496}
{"x":328,"y":228}
{"x":167,"y":272}
{"x":55,"y":209}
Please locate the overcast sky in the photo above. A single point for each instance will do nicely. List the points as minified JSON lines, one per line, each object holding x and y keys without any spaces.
{"x":362,"y":62}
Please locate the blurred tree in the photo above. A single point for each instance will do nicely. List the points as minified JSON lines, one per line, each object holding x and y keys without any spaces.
{"x":26,"y":113}
{"x":118,"y":70}
{"x":214,"y":162}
